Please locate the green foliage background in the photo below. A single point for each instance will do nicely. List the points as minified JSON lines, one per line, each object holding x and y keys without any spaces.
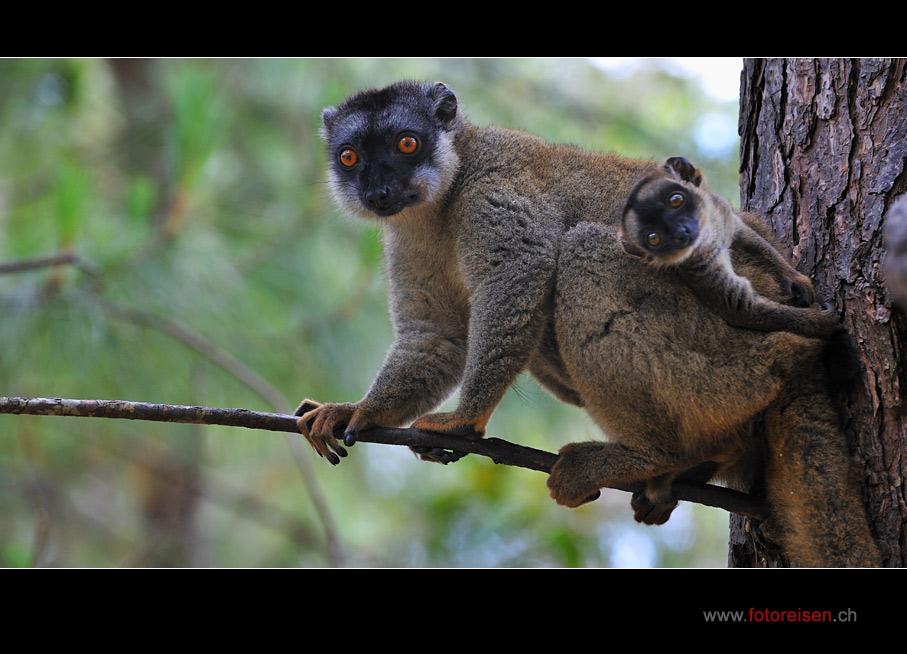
{"x":193,"y":191}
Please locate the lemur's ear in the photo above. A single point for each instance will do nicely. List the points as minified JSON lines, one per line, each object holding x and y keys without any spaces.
{"x":445,"y":103}
{"x":681,"y":168}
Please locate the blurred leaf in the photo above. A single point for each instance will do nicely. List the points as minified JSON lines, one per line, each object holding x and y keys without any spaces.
{"x":71,"y":192}
{"x":198,"y":121}
{"x":140,"y":198}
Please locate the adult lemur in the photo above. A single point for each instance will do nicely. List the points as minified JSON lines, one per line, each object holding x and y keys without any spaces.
{"x":503,"y":255}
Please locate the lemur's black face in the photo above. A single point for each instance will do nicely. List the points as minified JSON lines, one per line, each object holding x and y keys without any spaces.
{"x":388,"y":149}
{"x":662,"y":217}
{"x":380,"y":162}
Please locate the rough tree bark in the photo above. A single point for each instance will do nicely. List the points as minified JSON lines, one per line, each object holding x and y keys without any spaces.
{"x":823,"y":150}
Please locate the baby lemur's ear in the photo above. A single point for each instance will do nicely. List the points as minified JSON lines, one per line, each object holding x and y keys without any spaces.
{"x":444,"y":104}
{"x":681,"y":168}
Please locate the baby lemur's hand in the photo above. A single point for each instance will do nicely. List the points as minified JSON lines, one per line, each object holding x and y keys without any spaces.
{"x":800,"y":290}
{"x":827,"y":321}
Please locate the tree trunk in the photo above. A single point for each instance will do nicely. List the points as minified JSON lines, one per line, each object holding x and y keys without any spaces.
{"x":822,"y":157}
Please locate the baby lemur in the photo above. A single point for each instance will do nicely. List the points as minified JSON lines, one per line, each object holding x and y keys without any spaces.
{"x":673,"y":220}
{"x":504,"y":255}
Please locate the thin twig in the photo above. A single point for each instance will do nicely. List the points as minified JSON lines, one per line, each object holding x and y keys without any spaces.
{"x":498,"y":450}
{"x":64,"y":257}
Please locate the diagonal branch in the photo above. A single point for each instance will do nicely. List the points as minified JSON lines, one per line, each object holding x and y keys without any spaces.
{"x":58,"y":259}
{"x":498,"y":450}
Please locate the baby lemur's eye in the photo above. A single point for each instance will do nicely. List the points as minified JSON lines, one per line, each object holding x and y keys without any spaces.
{"x":653,"y":239}
{"x":675,"y":200}
{"x":348,"y":157}
{"x":408,"y":144}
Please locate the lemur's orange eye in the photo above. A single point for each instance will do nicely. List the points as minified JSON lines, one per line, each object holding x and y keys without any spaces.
{"x":348,"y":157}
{"x":675,"y":200}
{"x":407,"y":144}
{"x":653,"y":239}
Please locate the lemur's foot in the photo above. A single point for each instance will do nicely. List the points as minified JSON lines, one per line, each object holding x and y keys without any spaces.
{"x":570,"y":483}
{"x":437,"y":454}
{"x":648,"y":512}
{"x":452,"y":423}
{"x":447,"y":423}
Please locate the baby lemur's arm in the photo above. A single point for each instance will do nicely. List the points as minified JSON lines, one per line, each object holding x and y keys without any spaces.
{"x":715,"y":283}
{"x":758,"y":243}
{"x":677,"y":222}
